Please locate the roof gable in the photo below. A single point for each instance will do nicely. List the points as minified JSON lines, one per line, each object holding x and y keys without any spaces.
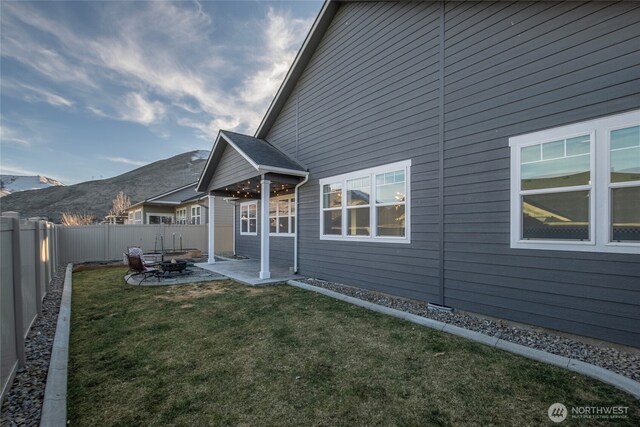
{"x":235,"y":155}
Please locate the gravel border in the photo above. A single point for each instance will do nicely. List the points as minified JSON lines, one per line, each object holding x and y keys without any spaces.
{"x":618,"y":361}
{"x":23,"y":403}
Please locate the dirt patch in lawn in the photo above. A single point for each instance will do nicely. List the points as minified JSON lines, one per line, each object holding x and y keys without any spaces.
{"x":186,"y":294}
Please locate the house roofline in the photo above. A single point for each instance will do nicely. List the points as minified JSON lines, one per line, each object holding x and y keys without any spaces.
{"x":175,"y":190}
{"x":311,"y":42}
{"x":256,"y":166}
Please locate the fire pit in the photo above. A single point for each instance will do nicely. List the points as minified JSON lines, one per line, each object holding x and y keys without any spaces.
{"x":170,"y":267}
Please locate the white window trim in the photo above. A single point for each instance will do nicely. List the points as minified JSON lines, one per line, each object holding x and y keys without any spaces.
{"x":247,"y":204}
{"x":291,"y":199}
{"x":137,"y":221}
{"x":371,"y":172}
{"x":199,"y":216}
{"x":181,"y":216}
{"x":163,"y":215}
{"x":600,"y":203}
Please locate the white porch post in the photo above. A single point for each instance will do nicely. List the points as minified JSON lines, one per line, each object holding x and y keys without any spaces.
{"x":265,"y":189}
{"x":212,"y":230}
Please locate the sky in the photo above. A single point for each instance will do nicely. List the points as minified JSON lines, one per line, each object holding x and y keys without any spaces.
{"x":90,"y":90}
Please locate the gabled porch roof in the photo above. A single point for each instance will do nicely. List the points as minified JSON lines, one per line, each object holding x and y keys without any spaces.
{"x":236,"y":160}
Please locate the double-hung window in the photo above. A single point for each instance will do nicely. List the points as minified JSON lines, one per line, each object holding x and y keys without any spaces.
{"x":195,"y":214}
{"x":282,"y":216}
{"x":370,"y":205}
{"x":181,"y":216}
{"x":137,"y":216}
{"x":577,"y":187}
{"x":249,"y":218}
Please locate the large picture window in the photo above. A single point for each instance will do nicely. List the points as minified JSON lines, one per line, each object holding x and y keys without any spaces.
{"x":282,"y":216}
{"x":367,"y":205}
{"x":249,"y":218}
{"x":577,"y":187}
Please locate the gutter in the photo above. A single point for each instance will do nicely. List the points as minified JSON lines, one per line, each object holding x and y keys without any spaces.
{"x":295,"y":237}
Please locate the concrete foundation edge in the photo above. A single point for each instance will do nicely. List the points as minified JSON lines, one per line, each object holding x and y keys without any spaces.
{"x":54,"y":408}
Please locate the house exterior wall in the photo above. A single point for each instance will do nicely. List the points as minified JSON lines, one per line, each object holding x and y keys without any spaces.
{"x":162,"y":210}
{"x":231,"y":168}
{"x":280,"y":247}
{"x":204,"y":205}
{"x":371,"y":95}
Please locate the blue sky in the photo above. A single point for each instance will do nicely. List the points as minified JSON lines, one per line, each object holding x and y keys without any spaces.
{"x":90,"y":90}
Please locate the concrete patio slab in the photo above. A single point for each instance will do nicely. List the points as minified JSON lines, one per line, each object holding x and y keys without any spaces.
{"x":194,"y":274}
{"x":247,"y":271}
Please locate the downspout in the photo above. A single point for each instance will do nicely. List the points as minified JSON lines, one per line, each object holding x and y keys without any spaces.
{"x":233,"y":228}
{"x":295,"y":237}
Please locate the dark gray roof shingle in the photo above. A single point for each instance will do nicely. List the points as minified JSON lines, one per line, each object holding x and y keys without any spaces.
{"x":261,"y":152}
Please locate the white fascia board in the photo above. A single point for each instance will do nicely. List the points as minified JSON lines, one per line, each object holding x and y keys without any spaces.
{"x":242,"y":153}
{"x":286,"y":82}
{"x":285,"y":171}
{"x":206,"y":166}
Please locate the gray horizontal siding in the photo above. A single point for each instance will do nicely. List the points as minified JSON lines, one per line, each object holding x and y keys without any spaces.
{"x":370,"y":96}
{"x":280,"y":247}
{"x":231,"y":169}
{"x":558,"y":63}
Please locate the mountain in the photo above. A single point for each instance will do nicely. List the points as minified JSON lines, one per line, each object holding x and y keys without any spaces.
{"x":14,"y":183}
{"x":95,"y":197}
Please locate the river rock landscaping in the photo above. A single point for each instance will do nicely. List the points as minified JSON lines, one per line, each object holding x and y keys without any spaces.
{"x":23,"y":404}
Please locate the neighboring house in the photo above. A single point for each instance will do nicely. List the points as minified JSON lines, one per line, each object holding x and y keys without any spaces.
{"x":182,"y":205}
{"x":483,"y":156}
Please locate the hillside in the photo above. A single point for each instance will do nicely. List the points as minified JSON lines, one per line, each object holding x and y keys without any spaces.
{"x":14,"y":183}
{"x":95,"y":197}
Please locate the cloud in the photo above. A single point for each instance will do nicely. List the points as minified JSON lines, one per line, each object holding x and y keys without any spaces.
{"x":6,"y":169}
{"x":282,"y":36}
{"x":32,"y":93}
{"x":158,"y":63}
{"x":125,"y":161}
{"x":16,"y":170}
{"x":11,"y":135}
{"x":140,"y":110}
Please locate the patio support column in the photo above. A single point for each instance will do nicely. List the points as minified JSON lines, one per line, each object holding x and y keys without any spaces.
{"x":265,"y":190}
{"x":212,"y":230}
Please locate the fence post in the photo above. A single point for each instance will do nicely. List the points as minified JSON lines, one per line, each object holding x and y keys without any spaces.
{"x":54,"y":249}
{"x":17,"y":284}
{"x":47,"y":240}
{"x":106,"y":242}
{"x":36,"y":244}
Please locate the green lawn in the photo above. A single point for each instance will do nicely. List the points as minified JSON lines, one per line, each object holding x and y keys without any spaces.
{"x":226,"y":354}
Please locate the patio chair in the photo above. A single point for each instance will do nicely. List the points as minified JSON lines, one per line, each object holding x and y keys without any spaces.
{"x":139,"y":269}
{"x":137,"y":251}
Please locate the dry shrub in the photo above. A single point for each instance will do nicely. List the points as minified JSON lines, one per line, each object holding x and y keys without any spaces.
{"x":69,"y":218}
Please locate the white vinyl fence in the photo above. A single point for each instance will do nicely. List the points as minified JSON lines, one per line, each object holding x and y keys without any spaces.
{"x":107,"y":242}
{"x":31,"y":250}
{"x":28,"y":261}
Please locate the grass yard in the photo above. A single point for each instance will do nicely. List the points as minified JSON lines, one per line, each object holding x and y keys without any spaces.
{"x":222,"y":353}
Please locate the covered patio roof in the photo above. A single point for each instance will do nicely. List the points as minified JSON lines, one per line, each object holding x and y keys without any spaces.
{"x":244,"y":167}
{"x":238,"y":162}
